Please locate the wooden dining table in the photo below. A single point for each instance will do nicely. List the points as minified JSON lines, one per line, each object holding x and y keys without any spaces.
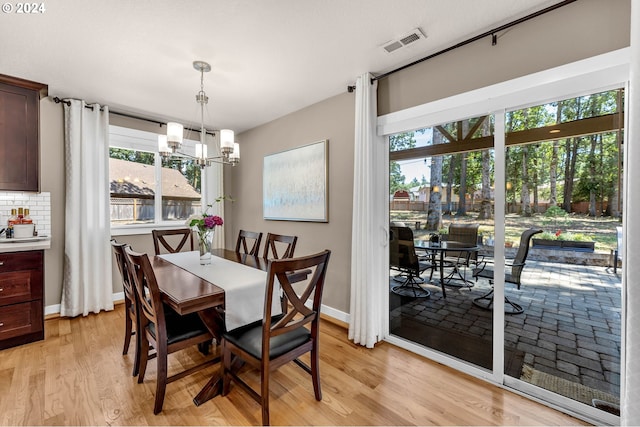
{"x":187,"y":293}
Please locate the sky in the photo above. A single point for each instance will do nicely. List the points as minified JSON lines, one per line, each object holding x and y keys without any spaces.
{"x":416,"y":168}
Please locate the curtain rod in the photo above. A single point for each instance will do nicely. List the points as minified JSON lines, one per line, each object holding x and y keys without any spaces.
{"x":492,"y":33}
{"x":130,"y":116}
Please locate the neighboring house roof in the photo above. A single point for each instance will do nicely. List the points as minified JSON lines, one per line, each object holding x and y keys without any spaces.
{"x":131,"y":179}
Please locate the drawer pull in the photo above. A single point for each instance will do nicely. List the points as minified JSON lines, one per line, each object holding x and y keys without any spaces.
{"x":1,"y":263}
{"x":1,"y":289}
{"x":1,"y":324}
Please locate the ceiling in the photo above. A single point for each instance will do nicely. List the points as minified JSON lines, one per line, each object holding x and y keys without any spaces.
{"x":268,"y":57}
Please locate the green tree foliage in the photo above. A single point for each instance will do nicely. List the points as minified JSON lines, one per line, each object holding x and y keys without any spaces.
{"x":399,"y":142}
{"x":583,"y":168}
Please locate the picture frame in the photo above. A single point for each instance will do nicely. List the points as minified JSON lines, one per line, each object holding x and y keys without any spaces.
{"x":295,"y":184}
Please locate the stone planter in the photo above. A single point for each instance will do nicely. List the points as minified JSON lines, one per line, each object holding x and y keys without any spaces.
{"x":564,"y":245}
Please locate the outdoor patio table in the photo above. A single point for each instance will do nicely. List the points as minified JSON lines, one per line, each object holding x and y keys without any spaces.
{"x":437,"y":252}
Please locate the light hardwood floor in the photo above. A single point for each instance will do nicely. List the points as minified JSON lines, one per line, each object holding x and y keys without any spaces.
{"x":78,"y":376}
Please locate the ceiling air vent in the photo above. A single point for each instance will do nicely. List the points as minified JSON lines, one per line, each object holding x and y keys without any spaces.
{"x":404,"y":40}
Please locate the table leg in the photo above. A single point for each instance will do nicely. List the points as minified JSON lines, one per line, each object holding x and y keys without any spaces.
{"x":444,"y":293}
{"x":214,"y":386}
{"x":214,"y":321}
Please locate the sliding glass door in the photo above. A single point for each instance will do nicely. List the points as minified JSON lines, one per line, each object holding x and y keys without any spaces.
{"x":441,"y":182}
{"x":532,"y":299}
{"x":564,"y":181}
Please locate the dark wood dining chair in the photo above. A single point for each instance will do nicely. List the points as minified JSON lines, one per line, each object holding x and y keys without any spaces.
{"x":244,"y":241}
{"x":270,"y":343}
{"x":171,"y":241}
{"x":166,"y":330}
{"x":131,"y":324}
{"x":277,"y":244}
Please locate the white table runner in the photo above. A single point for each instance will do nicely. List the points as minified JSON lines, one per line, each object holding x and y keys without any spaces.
{"x":244,"y":286}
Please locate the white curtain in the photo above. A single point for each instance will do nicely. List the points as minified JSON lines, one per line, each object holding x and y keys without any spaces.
{"x":213,"y":188}
{"x":369,"y":311}
{"x":630,"y":411}
{"x":87,"y":285}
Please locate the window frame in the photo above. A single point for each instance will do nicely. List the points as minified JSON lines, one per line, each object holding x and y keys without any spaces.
{"x":595,"y":74}
{"x":139,"y":140}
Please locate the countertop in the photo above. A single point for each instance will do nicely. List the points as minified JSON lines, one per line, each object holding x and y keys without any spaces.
{"x":28,"y":244}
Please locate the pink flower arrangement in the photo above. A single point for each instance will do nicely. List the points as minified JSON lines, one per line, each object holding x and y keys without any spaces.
{"x":204,"y":223}
{"x":211,"y":221}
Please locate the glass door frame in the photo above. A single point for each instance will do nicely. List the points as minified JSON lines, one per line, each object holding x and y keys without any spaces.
{"x":596,"y":74}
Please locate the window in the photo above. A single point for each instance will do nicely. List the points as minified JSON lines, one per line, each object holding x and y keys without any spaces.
{"x":147,"y":189}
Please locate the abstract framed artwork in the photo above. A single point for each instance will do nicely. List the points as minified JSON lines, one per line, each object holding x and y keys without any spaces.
{"x":295,"y":184}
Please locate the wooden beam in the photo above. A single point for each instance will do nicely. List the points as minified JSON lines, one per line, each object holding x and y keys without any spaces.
{"x":576,"y":128}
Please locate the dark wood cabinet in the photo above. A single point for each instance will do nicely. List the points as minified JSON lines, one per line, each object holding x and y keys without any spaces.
{"x":21,"y":298}
{"x":19,"y":133}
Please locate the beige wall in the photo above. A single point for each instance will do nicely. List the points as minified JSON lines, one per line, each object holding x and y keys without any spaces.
{"x":332,"y":119}
{"x":579,"y":30}
{"x":52,"y":180}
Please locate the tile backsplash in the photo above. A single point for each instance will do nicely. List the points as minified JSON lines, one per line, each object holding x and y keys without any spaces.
{"x":39,"y":205}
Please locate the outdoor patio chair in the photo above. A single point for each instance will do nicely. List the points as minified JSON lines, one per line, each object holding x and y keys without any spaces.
{"x":403,"y":258}
{"x":486,"y":300}
{"x":468,"y":235}
{"x":616,"y":254}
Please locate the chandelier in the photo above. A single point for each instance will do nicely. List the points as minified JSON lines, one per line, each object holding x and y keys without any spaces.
{"x":169,"y":144}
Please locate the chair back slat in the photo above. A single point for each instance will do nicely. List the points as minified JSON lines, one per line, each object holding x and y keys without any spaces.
{"x":147,"y":291}
{"x":127,"y":283}
{"x":242,"y":246}
{"x":298,"y":313}
{"x":160,"y":240}
{"x":279,"y":243}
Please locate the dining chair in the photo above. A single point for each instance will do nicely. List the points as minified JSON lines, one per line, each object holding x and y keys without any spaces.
{"x":512,"y":275}
{"x":280,"y":242}
{"x":131,"y":324}
{"x":467,"y":235}
{"x":163,"y":328}
{"x":403,"y":258}
{"x":168,"y":239}
{"x":271,"y":342}
{"x":243,"y":247}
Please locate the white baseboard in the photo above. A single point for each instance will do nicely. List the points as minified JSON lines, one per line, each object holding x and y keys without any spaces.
{"x":55,"y":308}
{"x":336,"y":314}
{"x":52,"y":309}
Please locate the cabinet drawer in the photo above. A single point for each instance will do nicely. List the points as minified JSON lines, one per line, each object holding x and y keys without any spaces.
{"x":19,"y":286}
{"x":28,"y":260}
{"x":20,"y":319}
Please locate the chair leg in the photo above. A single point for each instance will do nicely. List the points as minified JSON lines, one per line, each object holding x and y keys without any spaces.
{"x":226,"y":368}
{"x":411,"y":288}
{"x":315,"y":371}
{"x":144,"y":356}
{"x":515,"y":308}
{"x":488,"y":297}
{"x":161,"y":381}
{"x":264,"y":394}
{"x":136,"y":359}
{"x":128,"y":327}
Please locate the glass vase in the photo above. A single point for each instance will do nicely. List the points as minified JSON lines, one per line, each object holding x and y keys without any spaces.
{"x":205,"y":242}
